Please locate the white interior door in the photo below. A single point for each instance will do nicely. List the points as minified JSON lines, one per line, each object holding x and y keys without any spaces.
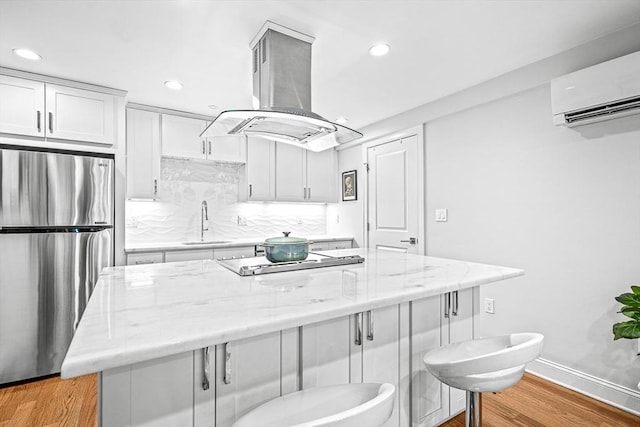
{"x":393,"y":195}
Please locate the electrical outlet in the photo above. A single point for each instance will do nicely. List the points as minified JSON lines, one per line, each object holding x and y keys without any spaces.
{"x":299,"y":220}
{"x":489,"y":306}
{"x":132,"y":222}
{"x":242,"y":220}
{"x":441,"y":215}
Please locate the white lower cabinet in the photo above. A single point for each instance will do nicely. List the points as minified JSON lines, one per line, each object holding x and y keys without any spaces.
{"x":251,"y":371}
{"x":238,"y":252}
{"x":145,"y":258}
{"x":364,"y":347}
{"x":437,"y":321}
{"x":190,"y":255}
{"x":156,"y":393}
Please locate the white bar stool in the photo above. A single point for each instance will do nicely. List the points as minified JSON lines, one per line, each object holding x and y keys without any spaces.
{"x":483,"y":365}
{"x":344,"y":405}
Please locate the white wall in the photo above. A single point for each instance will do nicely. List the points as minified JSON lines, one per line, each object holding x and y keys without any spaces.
{"x":565,"y":207}
{"x":345,"y":218}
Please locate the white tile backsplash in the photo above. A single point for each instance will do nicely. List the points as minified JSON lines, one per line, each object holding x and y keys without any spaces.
{"x":184,"y":184}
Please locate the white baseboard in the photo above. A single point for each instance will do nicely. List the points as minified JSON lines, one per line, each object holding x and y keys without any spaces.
{"x":621,"y":397}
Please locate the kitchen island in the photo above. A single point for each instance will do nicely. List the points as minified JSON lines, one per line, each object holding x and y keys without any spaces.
{"x":158,"y":322}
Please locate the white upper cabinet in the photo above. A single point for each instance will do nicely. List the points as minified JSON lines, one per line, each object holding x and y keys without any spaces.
{"x":21,"y":106}
{"x":79,"y":115}
{"x":143,"y":154}
{"x":33,"y":108}
{"x":290,"y":173}
{"x":305,"y":176}
{"x":260,"y":169}
{"x":230,"y":148}
{"x":181,"y":137}
{"x":321,"y":176}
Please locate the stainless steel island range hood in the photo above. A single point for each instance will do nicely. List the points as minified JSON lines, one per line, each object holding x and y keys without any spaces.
{"x":282,"y":96}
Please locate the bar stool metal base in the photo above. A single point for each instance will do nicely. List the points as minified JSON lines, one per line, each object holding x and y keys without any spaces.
{"x":473,"y":411}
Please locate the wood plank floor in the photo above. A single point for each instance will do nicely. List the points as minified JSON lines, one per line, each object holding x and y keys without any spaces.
{"x":532,"y":402}
{"x":537,"y":402}
{"x":50,"y":402}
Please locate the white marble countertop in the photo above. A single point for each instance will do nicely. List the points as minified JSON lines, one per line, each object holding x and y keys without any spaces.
{"x":144,"y":312}
{"x":218,"y":243}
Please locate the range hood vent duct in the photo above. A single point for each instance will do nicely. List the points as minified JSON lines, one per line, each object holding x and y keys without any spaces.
{"x":281,"y":61}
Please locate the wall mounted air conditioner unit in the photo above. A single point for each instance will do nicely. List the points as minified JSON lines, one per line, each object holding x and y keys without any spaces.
{"x":605,"y":91}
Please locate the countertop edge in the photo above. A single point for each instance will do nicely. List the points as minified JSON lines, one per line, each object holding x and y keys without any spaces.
{"x":178,"y":246}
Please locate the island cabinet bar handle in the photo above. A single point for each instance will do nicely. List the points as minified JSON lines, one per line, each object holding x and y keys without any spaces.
{"x":204,"y":150}
{"x":227,"y":364}
{"x":209,"y":147}
{"x":38,"y":116}
{"x":308,"y":193}
{"x":370,"y":326}
{"x":250,"y":190}
{"x":454,"y":311}
{"x":447,"y":304}
{"x":50,"y":122}
{"x":205,"y":368}
{"x":358,"y":340}
{"x":155,"y":188}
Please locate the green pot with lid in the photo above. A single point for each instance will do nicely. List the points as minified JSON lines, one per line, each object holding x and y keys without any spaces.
{"x":286,"y":248}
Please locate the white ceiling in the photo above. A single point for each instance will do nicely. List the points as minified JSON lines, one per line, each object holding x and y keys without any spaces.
{"x":437,"y":47}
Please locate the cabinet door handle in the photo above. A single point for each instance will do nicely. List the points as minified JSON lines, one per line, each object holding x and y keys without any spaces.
{"x":227,"y":364}
{"x":38,"y":116}
{"x":50,"y":122}
{"x":209,"y":147}
{"x":155,"y":188}
{"x":304,"y":197}
{"x":454,"y":311}
{"x":204,"y":151}
{"x":370,"y":326}
{"x":308,"y":193}
{"x":250,"y":190}
{"x":205,"y":368}
{"x":358,"y":340}
{"x":447,"y":304}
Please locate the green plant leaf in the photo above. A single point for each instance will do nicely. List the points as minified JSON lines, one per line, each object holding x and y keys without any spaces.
{"x":635,"y":289}
{"x":631,"y":300}
{"x":631,"y":312}
{"x":630,"y":330}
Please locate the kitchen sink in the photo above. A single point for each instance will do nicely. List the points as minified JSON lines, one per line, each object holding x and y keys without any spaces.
{"x":207,"y":242}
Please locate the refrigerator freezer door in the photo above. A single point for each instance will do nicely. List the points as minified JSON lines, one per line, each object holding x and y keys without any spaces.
{"x":46,"y":281}
{"x":53,"y":189}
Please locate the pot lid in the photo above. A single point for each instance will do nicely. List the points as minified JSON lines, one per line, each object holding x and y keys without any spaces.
{"x":286,"y":240}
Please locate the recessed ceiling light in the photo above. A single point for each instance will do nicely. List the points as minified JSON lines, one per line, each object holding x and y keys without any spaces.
{"x":341,"y":120}
{"x":380,"y":49}
{"x":173,"y":84}
{"x":212,"y":106}
{"x":27,"y":54}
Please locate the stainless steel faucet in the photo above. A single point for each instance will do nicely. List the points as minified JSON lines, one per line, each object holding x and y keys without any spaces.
{"x":204,"y":216}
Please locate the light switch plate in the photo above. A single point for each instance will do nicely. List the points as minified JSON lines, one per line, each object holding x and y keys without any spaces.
{"x":441,"y":215}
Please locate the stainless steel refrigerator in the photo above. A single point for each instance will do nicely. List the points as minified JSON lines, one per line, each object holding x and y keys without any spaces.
{"x":56,"y":234}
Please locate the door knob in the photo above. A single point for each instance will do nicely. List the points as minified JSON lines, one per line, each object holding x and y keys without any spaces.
{"x":411,"y":241}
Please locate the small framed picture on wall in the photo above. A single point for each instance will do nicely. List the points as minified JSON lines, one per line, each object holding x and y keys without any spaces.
{"x":349,"y":185}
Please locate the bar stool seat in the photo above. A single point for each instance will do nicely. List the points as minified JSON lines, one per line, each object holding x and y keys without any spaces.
{"x":488,"y":364}
{"x":345,"y":405}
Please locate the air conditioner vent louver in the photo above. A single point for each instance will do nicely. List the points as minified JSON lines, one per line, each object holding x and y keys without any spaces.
{"x":626,"y":106}
{"x":601,"y":92}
